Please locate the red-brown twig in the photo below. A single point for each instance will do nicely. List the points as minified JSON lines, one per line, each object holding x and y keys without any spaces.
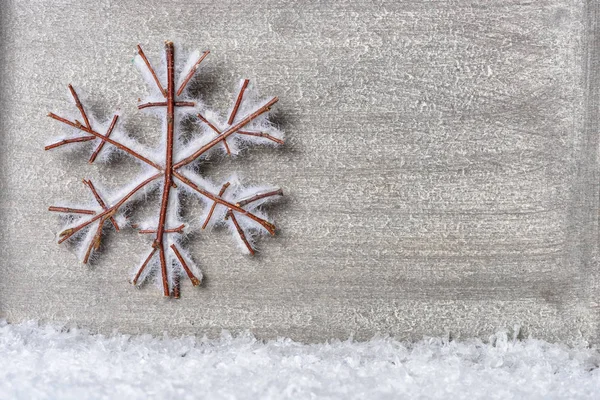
{"x":67,"y":233}
{"x":261,"y":134}
{"x":101,"y":144}
{"x":141,"y":53}
{"x":158,"y":242}
{"x":236,"y":106}
{"x":164,"y":104}
{"x":80,"y":107}
{"x":92,"y":188}
{"x":68,"y":210}
{"x":195,"y":281}
{"x":179,"y":229}
{"x":95,"y":243}
{"x":259,"y":196}
{"x":214,"y":205}
{"x":227,"y":133}
{"x":103,"y":138}
{"x":239,"y":229}
{"x":214,"y":128}
{"x":163,"y":269}
{"x":67,"y":141}
{"x":137,"y":276}
{"x":191,"y":73}
{"x":265,"y":224}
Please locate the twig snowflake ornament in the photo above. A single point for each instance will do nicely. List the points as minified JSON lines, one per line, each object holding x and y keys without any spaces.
{"x":170,"y":169}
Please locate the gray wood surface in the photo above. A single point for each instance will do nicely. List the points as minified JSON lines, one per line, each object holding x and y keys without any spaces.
{"x":441,"y":167}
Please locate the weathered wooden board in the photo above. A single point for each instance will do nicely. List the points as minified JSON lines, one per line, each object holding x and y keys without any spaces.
{"x":441,"y":167}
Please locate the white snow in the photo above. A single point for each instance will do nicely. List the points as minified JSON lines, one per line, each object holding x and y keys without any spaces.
{"x":39,"y":362}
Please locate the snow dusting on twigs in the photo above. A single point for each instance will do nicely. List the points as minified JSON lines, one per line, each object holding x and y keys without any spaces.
{"x":170,"y":170}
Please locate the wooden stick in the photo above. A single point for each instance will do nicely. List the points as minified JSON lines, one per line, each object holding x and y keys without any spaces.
{"x":164,"y":104}
{"x":191,"y":73}
{"x":68,"y":210}
{"x":80,"y":106}
{"x":141,"y":53}
{"x":240,"y":231}
{"x":259,"y":196}
{"x":174,"y":230}
{"x":99,"y":200}
{"x":238,"y":101}
{"x":95,"y":243}
{"x":214,"y":205}
{"x":67,"y":141}
{"x":263,"y":135}
{"x":137,"y":276}
{"x":158,"y":242}
{"x":195,"y":281}
{"x":214,"y":128}
{"x":163,"y":270}
{"x":101,"y":145}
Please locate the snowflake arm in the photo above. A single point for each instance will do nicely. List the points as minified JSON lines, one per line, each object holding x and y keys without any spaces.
{"x":70,"y":231}
{"x":229,"y":205}
{"x":150,"y":70}
{"x":224,"y":135}
{"x":96,"y":135}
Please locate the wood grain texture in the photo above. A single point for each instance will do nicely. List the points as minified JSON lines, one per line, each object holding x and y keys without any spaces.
{"x":441,"y":167}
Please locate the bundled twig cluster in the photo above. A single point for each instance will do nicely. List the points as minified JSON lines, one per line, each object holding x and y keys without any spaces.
{"x":171,"y":170}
